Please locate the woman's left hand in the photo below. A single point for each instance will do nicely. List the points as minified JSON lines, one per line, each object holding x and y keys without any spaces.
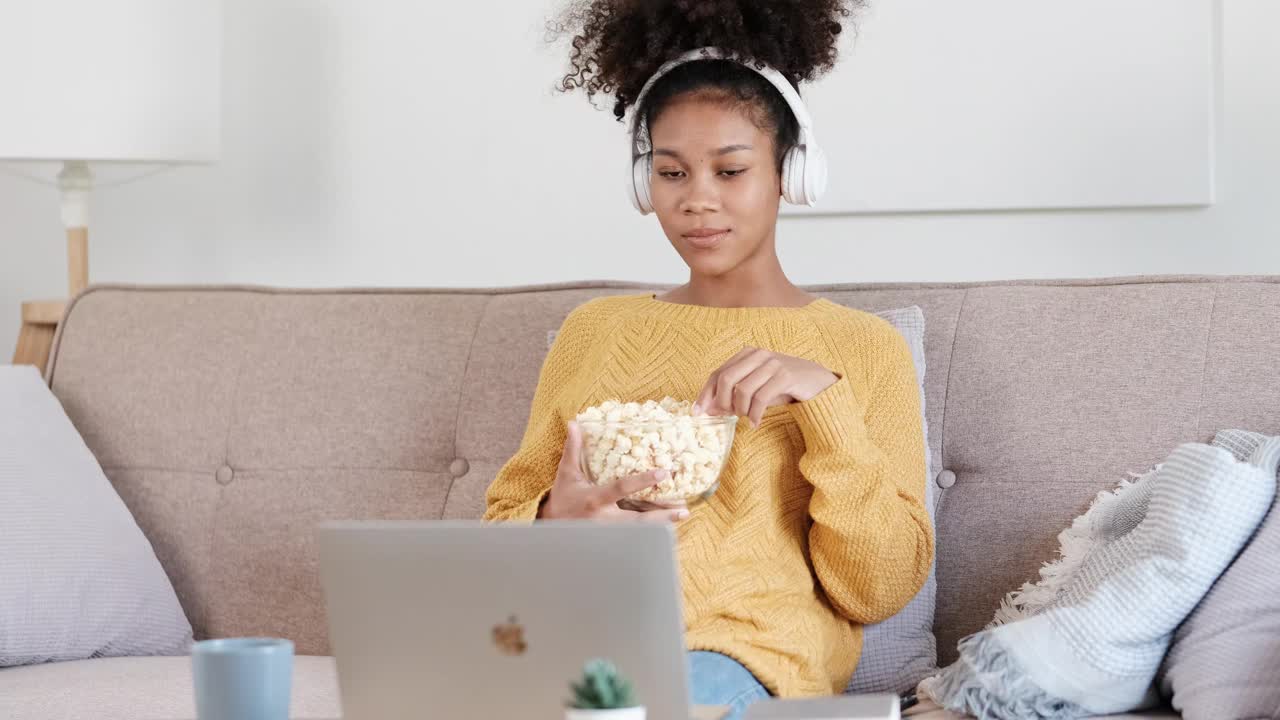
{"x":755,"y":379}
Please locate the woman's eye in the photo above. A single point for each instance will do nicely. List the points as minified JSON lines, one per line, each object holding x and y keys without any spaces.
{"x":732,"y":173}
{"x":670,"y":173}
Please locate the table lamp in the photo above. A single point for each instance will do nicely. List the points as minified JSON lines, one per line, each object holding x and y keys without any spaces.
{"x":89,"y":82}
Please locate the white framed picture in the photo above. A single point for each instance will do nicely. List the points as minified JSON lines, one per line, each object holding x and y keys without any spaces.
{"x":1020,"y":104}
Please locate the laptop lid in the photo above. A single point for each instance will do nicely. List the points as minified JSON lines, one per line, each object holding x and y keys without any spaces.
{"x":463,"y":619}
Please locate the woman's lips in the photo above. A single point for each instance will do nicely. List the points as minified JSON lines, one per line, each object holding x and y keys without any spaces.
{"x":705,"y":239}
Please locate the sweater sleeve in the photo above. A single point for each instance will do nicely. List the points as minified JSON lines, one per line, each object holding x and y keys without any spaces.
{"x":871,"y":542}
{"x":525,"y":479}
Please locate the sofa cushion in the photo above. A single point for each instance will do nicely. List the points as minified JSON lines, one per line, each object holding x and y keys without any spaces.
{"x":145,"y":688}
{"x":78,"y":579}
{"x":235,"y":422}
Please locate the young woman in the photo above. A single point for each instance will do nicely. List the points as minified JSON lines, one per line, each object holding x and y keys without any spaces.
{"x":819,"y":524}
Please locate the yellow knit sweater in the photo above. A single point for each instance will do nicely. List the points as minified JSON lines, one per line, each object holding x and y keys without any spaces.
{"x":819,"y":524}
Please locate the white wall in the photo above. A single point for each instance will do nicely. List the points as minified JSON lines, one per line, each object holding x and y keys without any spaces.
{"x":387,"y":143}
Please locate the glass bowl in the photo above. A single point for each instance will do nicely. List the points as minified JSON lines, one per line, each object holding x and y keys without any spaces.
{"x":693,"y":449}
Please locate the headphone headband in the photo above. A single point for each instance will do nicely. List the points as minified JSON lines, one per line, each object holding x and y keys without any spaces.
{"x":640,"y":131}
{"x":804,"y":167}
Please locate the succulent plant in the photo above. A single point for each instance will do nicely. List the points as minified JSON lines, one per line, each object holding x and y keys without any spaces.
{"x":601,"y":688}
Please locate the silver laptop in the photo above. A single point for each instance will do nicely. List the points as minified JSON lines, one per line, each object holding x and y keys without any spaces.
{"x":462,"y":620}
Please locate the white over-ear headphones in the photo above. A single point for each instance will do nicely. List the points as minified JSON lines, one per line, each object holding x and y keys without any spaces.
{"x":804,"y":167}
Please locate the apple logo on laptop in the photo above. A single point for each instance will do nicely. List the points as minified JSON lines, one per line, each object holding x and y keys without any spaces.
{"x":509,"y":637}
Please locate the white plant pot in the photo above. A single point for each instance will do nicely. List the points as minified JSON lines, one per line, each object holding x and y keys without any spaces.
{"x":631,"y":713}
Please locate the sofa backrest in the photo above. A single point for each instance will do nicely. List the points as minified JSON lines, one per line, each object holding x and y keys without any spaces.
{"x":232,"y":420}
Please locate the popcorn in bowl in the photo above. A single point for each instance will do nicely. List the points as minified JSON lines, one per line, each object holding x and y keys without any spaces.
{"x":620,"y":439}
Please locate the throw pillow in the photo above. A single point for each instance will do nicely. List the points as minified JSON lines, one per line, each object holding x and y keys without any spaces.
{"x":77,"y":577}
{"x":901,"y":651}
{"x":1088,"y":639}
{"x":1225,"y":659}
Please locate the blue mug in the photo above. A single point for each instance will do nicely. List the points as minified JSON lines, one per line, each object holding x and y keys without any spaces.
{"x":242,"y":678}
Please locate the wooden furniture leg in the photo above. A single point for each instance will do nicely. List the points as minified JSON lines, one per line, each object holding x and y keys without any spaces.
{"x":35,"y":338}
{"x":77,"y":259}
{"x":40,"y":319}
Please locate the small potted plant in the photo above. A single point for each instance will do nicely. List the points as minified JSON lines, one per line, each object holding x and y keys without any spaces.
{"x":602,"y":694}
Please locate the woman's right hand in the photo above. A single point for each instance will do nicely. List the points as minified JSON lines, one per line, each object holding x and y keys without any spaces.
{"x":574,"y":496}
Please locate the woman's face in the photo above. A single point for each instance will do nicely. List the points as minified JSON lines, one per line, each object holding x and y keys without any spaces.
{"x":715,"y":187}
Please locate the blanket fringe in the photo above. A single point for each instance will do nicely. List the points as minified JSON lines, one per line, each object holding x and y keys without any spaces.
{"x":987,"y":683}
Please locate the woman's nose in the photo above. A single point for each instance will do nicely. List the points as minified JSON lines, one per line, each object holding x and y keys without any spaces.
{"x":701,"y":197}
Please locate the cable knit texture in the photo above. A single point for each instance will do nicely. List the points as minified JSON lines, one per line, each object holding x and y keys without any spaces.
{"x":819,"y":525}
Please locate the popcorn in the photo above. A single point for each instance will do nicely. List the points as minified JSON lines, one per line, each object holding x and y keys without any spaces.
{"x":621,"y":439}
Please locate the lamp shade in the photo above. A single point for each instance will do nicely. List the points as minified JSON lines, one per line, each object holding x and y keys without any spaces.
{"x":110,"y":80}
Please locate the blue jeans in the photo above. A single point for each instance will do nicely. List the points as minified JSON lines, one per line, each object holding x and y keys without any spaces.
{"x":716,"y":679}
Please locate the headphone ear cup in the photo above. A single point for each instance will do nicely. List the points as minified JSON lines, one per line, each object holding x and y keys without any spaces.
{"x":815,"y":174}
{"x":800,"y":175}
{"x":792,"y":184}
{"x":804,"y":176}
{"x":641,"y":170}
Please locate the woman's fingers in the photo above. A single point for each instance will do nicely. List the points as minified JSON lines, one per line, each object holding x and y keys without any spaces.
{"x":745,"y":392}
{"x":706,"y":396}
{"x":703,"y":403}
{"x":638,"y":511}
{"x":734,"y":373}
{"x":629,"y":485}
{"x":767,"y":395}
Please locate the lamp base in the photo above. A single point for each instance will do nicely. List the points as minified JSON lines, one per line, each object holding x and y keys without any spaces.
{"x":35,"y":339}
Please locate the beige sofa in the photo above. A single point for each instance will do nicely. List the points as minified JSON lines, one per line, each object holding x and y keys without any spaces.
{"x":232,"y":420}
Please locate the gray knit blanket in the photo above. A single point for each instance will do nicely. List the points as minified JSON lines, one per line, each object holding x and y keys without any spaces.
{"x":1088,"y":637}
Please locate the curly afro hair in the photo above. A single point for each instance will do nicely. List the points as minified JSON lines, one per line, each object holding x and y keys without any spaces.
{"x":617,"y":45}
